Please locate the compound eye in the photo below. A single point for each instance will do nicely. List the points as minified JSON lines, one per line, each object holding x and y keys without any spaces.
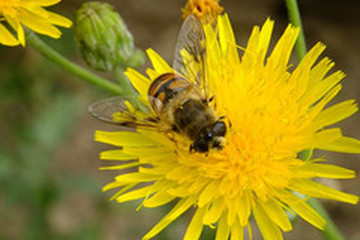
{"x":217,"y":145}
{"x":219,"y":129}
{"x":201,"y":145}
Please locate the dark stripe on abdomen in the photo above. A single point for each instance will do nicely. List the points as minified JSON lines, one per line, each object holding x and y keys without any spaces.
{"x":165,"y":87}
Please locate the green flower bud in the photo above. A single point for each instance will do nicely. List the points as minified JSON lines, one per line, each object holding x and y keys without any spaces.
{"x":103,"y":38}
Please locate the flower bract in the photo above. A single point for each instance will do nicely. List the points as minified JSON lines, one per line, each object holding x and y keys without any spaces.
{"x":15,"y":14}
{"x":276,"y":110}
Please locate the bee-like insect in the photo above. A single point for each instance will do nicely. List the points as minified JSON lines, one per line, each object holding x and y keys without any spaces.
{"x":179,"y":100}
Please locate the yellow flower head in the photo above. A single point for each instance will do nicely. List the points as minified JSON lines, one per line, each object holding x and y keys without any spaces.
{"x":14,"y":14}
{"x":276,"y":111}
{"x":206,"y":11}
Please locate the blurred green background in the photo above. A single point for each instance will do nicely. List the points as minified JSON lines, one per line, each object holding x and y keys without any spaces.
{"x":50,"y":185}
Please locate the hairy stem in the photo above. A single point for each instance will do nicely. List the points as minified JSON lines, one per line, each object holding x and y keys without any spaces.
{"x":71,"y":67}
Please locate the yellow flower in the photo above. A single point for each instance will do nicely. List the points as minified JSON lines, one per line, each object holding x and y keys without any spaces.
{"x":206,"y":11}
{"x":14,"y":14}
{"x":276,"y":111}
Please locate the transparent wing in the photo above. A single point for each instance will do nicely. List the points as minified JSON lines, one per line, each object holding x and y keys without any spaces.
{"x":190,"y":53}
{"x":118,"y":110}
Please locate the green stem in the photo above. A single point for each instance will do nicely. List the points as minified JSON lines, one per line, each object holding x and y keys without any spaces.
{"x":295,"y":19}
{"x":330,"y":231}
{"x":76,"y":70}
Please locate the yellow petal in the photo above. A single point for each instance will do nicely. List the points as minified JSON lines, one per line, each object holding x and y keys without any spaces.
{"x":343,"y":144}
{"x":143,"y":192}
{"x":135,"y":194}
{"x":335,"y":113}
{"x":237,"y":232}
{"x":177,"y":173}
{"x":250,"y":55}
{"x":302,"y":209}
{"x":15,"y":24}
{"x":59,"y":20}
{"x":120,"y":139}
{"x":147,"y":151}
{"x":122,"y":166}
{"x":314,"y":189}
{"x":209,"y":193}
{"x":121,"y":191}
{"x":327,"y":171}
{"x":279,"y":57}
{"x":223,"y":230}
{"x":325,"y":137}
{"x":116,"y":155}
{"x":214,"y":211}
{"x":113,"y":185}
{"x":227,"y":40}
{"x":258,"y":44}
{"x":47,"y":3}
{"x":232,"y":206}
{"x":6,"y":38}
{"x":212,"y":43}
{"x":195,"y":227}
{"x":301,"y":76}
{"x":322,"y":88}
{"x":316,"y":109}
{"x":311,"y":56}
{"x":136,"y":177}
{"x":140,"y":82}
{"x":244,"y":209}
{"x":267,"y":227}
{"x":319,"y":71}
{"x":183,"y":205}
{"x":158,"y":62}
{"x":277,"y":214}
{"x":152,"y":73}
{"x":38,"y":24}
{"x":37,"y":10}
{"x":158,"y":199}
{"x":180,"y":191}
{"x":264,"y":38}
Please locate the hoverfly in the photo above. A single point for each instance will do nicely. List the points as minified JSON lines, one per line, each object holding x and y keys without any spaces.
{"x":178,"y":101}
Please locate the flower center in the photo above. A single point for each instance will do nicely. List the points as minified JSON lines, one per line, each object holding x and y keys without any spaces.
{"x":249,"y":162}
{"x":205,"y":10}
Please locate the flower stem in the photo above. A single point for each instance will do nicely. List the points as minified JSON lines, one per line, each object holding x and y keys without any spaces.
{"x":330,"y":231}
{"x":76,"y":70}
{"x":295,"y":19}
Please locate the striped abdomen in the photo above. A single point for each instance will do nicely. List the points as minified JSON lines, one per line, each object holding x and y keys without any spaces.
{"x":164,"y":88}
